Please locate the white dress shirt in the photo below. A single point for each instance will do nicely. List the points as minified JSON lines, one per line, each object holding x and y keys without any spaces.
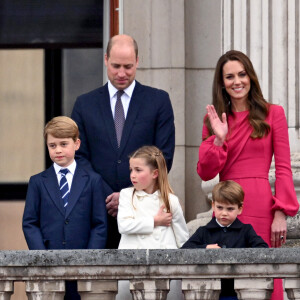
{"x":69,"y":175}
{"x":125,"y":98}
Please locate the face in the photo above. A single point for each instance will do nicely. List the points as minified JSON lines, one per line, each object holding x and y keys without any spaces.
{"x":121,"y":65}
{"x":62,"y":150}
{"x":142,"y":176}
{"x":237,"y":83}
{"x":225,"y":212}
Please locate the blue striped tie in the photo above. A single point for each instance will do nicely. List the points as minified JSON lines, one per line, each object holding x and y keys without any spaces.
{"x":64,"y":187}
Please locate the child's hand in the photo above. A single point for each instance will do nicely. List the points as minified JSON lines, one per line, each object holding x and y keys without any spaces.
{"x":212,"y":246}
{"x":162,"y":218}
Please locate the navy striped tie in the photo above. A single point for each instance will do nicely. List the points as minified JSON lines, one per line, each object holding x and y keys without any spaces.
{"x":64,"y":187}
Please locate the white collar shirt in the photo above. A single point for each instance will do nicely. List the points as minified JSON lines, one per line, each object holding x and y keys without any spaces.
{"x":125,"y":98}
{"x":69,"y":175}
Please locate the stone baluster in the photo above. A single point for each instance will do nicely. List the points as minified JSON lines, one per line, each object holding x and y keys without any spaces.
{"x":201,"y":289}
{"x":156,"y":289}
{"x":253,"y":288}
{"x":45,"y":290}
{"x":97,"y":289}
{"x":6,"y":289}
{"x":292,"y":287}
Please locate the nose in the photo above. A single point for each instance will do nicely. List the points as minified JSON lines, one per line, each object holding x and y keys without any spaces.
{"x":236,"y":80}
{"x":121,"y":72}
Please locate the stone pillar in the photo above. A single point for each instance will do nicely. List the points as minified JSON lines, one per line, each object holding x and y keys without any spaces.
{"x":97,"y":289}
{"x":201,"y":289}
{"x":45,"y":290}
{"x":6,"y":289}
{"x":149,"y":289}
{"x":158,"y":27}
{"x":251,"y":289}
{"x":292,"y":287}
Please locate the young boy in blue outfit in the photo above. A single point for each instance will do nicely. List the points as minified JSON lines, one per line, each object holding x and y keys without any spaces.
{"x":65,"y":205}
{"x":225,"y":230}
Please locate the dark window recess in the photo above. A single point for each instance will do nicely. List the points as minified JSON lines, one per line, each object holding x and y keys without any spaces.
{"x":55,"y":23}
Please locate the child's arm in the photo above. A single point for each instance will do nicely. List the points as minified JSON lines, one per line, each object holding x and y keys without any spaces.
{"x":197,"y":240}
{"x":128,"y":223}
{"x":98,"y":234}
{"x":31,"y":217}
{"x":254,"y":240}
{"x":178,"y":222}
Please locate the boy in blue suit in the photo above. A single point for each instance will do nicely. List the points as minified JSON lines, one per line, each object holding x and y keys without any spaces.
{"x":225,"y":230}
{"x":65,"y":211}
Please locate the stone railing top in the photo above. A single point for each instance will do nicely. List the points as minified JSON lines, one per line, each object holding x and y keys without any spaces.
{"x":86,"y":258}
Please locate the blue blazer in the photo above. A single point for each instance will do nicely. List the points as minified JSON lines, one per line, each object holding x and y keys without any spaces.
{"x":46,"y":224}
{"x":149,"y":121}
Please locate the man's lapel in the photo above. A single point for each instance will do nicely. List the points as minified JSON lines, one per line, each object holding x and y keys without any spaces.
{"x":134,"y":107}
{"x":107,"y":116}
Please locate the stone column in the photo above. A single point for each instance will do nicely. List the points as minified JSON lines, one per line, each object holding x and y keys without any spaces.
{"x":149,"y":289}
{"x":97,"y":289}
{"x":251,"y":289}
{"x":292,"y":287}
{"x":45,"y":290}
{"x":6,"y":289}
{"x":201,"y":289}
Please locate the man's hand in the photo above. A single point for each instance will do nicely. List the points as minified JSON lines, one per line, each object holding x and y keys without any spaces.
{"x":112,"y":204}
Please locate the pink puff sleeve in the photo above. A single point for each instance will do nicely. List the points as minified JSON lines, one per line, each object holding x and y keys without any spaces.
{"x":285,"y":198}
{"x":212,"y":158}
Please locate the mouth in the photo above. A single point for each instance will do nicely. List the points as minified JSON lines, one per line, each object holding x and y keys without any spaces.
{"x":59,"y":157}
{"x":238,"y":89}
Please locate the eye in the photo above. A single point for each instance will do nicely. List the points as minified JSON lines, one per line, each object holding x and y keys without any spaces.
{"x":51,"y":146}
{"x":229,"y":77}
{"x":243,"y":74}
{"x":230,"y":208}
{"x":128,"y":67}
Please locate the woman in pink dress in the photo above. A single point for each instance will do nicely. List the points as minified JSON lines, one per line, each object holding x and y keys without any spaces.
{"x":241,"y":133}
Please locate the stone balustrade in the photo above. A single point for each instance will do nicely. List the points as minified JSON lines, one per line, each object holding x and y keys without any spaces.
{"x":149,"y":272}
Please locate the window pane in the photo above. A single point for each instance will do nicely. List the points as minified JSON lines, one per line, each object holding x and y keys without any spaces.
{"x":21,"y":114}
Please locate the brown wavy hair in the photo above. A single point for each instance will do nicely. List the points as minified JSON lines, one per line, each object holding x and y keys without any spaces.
{"x":154,"y":158}
{"x":258,"y":106}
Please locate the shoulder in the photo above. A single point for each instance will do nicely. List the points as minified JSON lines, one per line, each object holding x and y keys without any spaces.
{"x":94,"y":94}
{"x":126,"y":192}
{"x":275,"y":111}
{"x":151,"y":90}
{"x":44,"y":174}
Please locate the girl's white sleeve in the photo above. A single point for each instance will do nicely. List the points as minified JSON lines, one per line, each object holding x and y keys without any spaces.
{"x":128,"y":218}
{"x":178,"y":222}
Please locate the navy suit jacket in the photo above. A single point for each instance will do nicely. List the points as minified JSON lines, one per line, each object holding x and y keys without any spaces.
{"x":149,"y":121}
{"x":46,"y":224}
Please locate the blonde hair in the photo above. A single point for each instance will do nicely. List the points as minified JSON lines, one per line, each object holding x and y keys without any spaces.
{"x":62,"y":127}
{"x":228,"y":191}
{"x":155,"y":160}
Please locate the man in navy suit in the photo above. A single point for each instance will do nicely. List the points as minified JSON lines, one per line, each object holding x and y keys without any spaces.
{"x":149,"y":120}
{"x":65,"y":205}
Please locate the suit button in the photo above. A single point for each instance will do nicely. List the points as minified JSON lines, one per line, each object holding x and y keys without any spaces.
{"x":63,"y":242}
{"x":66,"y":222}
{"x":119,"y":161}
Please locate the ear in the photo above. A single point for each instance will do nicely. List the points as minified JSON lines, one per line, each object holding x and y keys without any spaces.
{"x":105,"y":59}
{"x":77,"y":144}
{"x":240,"y":210}
{"x":213,"y":205}
{"x":137,"y":61}
{"x":155,"y":173}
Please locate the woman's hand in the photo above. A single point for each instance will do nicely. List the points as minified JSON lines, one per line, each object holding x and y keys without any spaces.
{"x":278,"y":229}
{"x":220,"y":127}
{"x":162,"y":218}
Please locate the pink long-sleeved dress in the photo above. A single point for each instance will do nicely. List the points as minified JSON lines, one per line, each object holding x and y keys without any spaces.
{"x":247,"y":161}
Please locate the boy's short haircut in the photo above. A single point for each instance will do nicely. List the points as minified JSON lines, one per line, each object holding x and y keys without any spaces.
{"x":228,"y":191}
{"x":62,"y":127}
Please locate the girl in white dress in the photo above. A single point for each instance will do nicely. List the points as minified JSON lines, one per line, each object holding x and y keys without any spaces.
{"x":149,"y":214}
